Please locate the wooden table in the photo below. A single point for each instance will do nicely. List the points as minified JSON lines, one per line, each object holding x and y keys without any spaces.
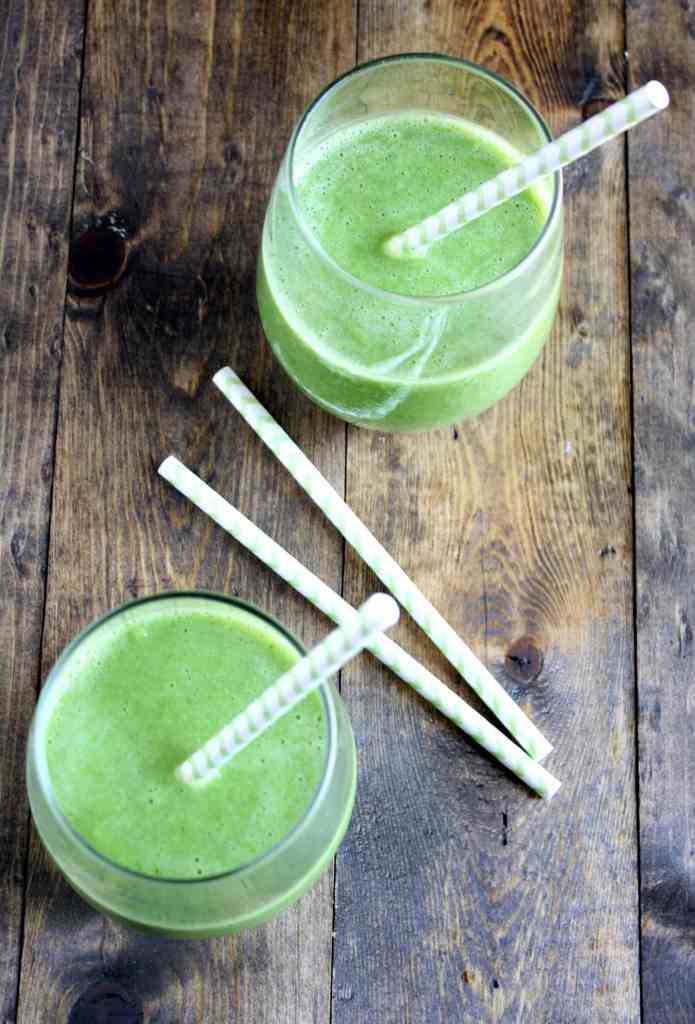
{"x":555,"y":531}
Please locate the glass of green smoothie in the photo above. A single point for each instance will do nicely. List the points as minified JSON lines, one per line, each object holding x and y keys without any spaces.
{"x":415,"y":342}
{"x":132,"y":696}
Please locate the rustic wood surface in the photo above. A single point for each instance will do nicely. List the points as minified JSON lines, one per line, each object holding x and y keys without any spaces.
{"x":458,"y":897}
{"x":182,"y":127}
{"x":453,"y":886}
{"x":40,"y":53}
{"x":662,"y":250}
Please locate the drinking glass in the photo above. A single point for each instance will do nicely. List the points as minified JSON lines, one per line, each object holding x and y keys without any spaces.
{"x":450,"y":356}
{"x":200,"y":907}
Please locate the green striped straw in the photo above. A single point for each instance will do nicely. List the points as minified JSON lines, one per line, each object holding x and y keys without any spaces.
{"x":379,"y":612}
{"x":626,"y":113}
{"x":335,"y":607}
{"x":389,"y":572}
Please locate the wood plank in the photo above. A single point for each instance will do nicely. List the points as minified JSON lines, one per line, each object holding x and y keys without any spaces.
{"x":459,"y":896}
{"x":186,"y":111}
{"x":40,"y":60}
{"x":661,"y":40}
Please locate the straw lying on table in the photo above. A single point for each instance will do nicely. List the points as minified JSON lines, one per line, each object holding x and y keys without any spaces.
{"x":326,"y":600}
{"x":379,"y":612}
{"x":626,"y":113}
{"x":378,"y":559}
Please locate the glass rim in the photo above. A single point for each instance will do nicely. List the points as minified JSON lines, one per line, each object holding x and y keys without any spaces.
{"x":374,"y":290}
{"x":38,"y":751}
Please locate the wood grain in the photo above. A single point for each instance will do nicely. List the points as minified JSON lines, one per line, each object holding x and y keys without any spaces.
{"x":186,"y":111}
{"x":661,"y":41}
{"x":460,"y":897}
{"x":40,"y":55}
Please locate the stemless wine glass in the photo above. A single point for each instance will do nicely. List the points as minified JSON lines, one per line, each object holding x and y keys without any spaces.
{"x":199,"y":907}
{"x":449,"y":356}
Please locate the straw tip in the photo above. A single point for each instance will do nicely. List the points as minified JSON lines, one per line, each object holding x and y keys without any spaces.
{"x":552,"y":787}
{"x":543,"y":748}
{"x":168,"y":466}
{"x":394,"y":247}
{"x":383,"y":609}
{"x":222,"y":375}
{"x":185,"y":773}
{"x":658,"y":95}
{"x":399,"y":248}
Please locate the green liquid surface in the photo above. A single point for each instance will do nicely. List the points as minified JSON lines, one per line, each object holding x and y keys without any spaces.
{"x":147,"y":689}
{"x":371,"y":356}
{"x":370,"y":181}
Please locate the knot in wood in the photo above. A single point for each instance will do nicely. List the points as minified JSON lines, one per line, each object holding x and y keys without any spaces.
{"x":98,"y":258}
{"x":106,"y":1002}
{"x":524,"y":660}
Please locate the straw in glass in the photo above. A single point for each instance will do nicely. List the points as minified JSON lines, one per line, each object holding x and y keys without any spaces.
{"x":335,"y":607}
{"x":626,"y":113}
{"x":378,"y":559}
{"x":378,"y":612}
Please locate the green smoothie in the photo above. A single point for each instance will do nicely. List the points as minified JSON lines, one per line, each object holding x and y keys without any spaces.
{"x":143,"y":690}
{"x":366,"y":181}
{"x":402,"y":343}
{"x":157,"y":690}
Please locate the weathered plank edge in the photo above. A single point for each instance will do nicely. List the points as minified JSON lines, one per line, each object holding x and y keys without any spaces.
{"x":40,"y":567}
{"x":662,"y":301}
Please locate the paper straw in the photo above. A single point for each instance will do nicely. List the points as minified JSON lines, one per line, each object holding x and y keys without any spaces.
{"x":335,"y":607}
{"x":377,"y":613}
{"x":389,"y":572}
{"x":626,"y":113}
